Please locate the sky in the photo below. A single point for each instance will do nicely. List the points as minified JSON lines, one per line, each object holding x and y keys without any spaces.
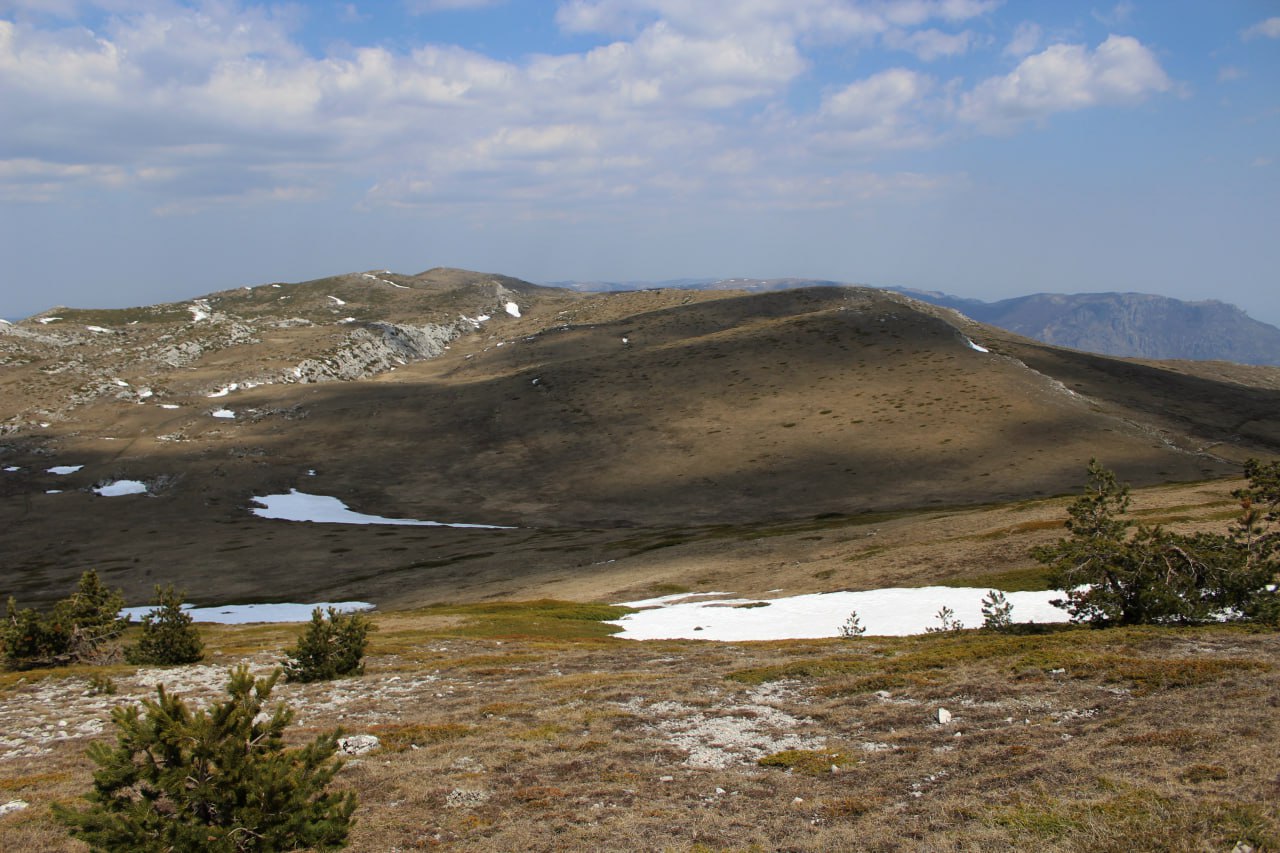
{"x":156,"y":150}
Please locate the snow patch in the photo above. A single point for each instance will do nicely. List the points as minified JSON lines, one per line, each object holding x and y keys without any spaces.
{"x":241,"y":614}
{"x":170,"y":406}
{"x":65,"y":469}
{"x":337,"y":301}
{"x":512,"y":309}
{"x":223,"y":413}
{"x":974,"y":346}
{"x":98,"y":330}
{"x":121,"y":383}
{"x":199,"y":310}
{"x":12,"y":468}
{"x":117,"y":488}
{"x":44,"y":321}
{"x":893,"y":612}
{"x":323,"y":509}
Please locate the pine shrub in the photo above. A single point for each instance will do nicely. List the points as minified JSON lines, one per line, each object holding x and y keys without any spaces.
{"x":997,"y":612}
{"x":168,"y":633}
{"x":76,"y":630}
{"x":331,"y":646}
{"x":852,"y":628}
{"x":1115,"y":571}
{"x":217,"y":780}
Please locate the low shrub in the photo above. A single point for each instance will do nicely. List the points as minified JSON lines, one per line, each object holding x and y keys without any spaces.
{"x":169,"y":635}
{"x":331,"y":646}
{"x":215,"y":780}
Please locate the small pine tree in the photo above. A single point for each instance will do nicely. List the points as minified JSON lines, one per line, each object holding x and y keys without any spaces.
{"x":947,"y":621}
{"x":168,"y":633}
{"x":215,"y":780}
{"x":93,"y":611}
{"x":329,"y":647}
{"x":852,"y":627}
{"x":997,"y":612}
{"x":74,"y":631}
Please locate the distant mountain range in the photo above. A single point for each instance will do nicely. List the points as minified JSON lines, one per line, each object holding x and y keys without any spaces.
{"x":1132,"y":325}
{"x":1136,"y":325}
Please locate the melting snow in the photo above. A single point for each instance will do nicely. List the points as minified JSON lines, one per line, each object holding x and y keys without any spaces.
{"x":299,"y":506}
{"x":65,"y":469}
{"x":223,"y":413}
{"x":337,"y":301}
{"x":169,"y":406}
{"x":99,"y":330}
{"x":885,"y":612}
{"x":512,"y":309}
{"x":241,"y":614}
{"x":974,"y":346}
{"x":393,"y":284}
{"x":47,"y":320}
{"x":369,"y":275}
{"x":13,"y":468}
{"x":121,"y":487}
{"x":121,"y":383}
{"x":199,"y":311}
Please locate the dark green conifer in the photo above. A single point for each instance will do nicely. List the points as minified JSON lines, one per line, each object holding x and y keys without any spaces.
{"x":216,"y":780}
{"x":330,"y":647}
{"x":168,"y":634}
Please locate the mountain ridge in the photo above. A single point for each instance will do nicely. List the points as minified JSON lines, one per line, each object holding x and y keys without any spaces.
{"x":1134,"y":325}
{"x":599,"y":427}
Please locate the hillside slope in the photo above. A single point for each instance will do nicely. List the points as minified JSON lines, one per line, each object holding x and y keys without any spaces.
{"x":581,"y":420}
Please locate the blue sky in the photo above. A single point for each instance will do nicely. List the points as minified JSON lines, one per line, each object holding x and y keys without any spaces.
{"x":154,"y":150}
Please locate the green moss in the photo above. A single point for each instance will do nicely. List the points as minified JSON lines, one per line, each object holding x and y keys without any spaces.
{"x":811,"y":762}
{"x":544,"y":619}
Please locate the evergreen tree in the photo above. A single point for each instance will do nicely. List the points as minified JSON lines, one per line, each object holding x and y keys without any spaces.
{"x":217,"y":780}
{"x":852,"y":628}
{"x":997,"y":612}
{"x":168,"y":634}
{"x":1116,"y":572}
{"x":329,"y":647}
{"x":74,"y":631}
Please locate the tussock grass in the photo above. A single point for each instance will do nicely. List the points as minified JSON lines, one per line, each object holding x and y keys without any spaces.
{"x":544,"y":618}
{"x":1082,"y":653}
{"x":560,"y":742}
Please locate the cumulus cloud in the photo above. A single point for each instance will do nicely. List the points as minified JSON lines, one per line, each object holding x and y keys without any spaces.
{"x":1062,"y":78}
{"x":222,"y":104}
{"x":930,"y":44}
{"x":1026,"y":38}
{"x":1270,"y":28}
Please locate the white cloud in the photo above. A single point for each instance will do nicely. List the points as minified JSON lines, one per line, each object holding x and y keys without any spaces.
{"x":1026,"y":38}
{"x":222,"y":105}
{"x":1062,"y":78}
{"x":1227,"y":73}
{"x":1270,"y":28}
{"x":930,"y":44}
{"x":1116,"y":16}
{"x":814,"y":18}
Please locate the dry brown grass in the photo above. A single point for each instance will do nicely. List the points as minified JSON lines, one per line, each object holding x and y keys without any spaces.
{"x":1141,"y":739}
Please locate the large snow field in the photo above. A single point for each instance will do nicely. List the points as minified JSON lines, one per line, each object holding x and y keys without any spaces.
{"x":885,"y":612}
{"x":300,"y":506}
{"x":243,"y":614}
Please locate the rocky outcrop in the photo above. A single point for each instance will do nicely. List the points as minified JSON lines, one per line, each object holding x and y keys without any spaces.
{"x":378,"y":347}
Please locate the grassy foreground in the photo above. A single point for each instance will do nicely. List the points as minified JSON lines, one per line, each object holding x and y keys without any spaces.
{"x":525,"y":726}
